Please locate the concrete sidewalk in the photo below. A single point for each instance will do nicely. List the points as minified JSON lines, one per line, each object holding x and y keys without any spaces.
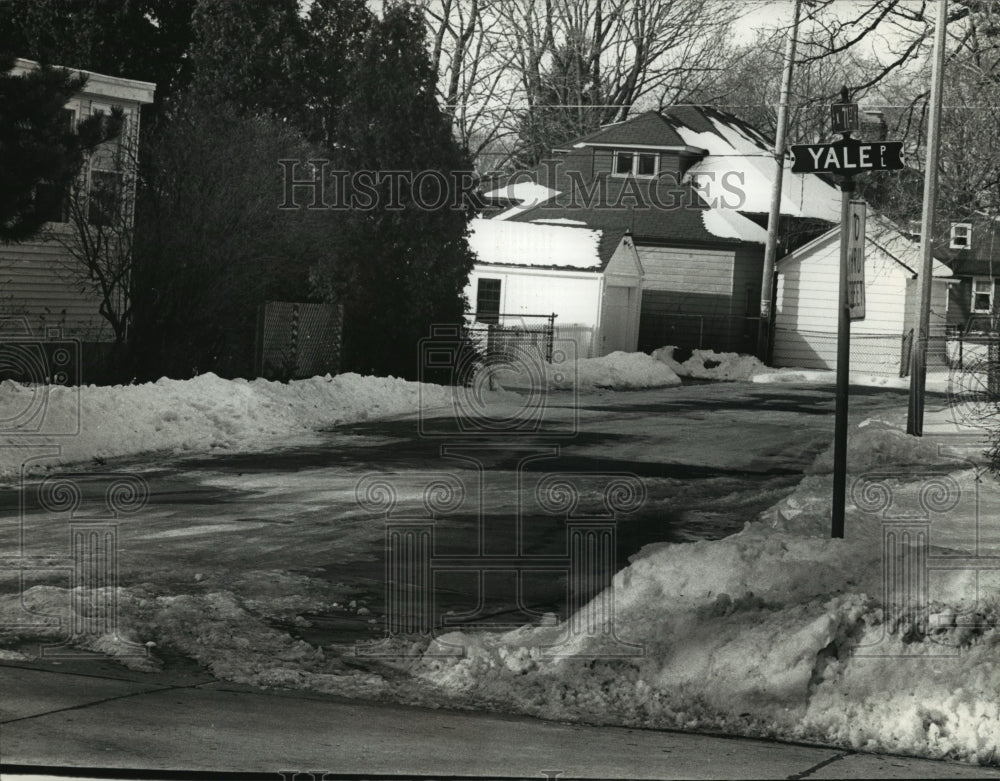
{"x":98,"y":717}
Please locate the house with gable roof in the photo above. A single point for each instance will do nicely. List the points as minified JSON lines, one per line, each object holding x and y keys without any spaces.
{"x":806,"y":304}
{"x":587,"y":279}
{"x":692,"y":185}
{"x":971,"y":249}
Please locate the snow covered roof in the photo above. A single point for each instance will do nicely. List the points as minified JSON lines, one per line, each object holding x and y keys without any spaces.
{"x":882,"y":234}
{"x":509,"y":243}
{"x":731,"y":152}
{"x":525,"y":193}
{"x":737,"y":151}
{"x":679,"y":215}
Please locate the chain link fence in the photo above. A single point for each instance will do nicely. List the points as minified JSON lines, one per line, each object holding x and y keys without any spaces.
{"x":295,"y":340}
{"x":721,"y":333}
{"x":513,"y":337}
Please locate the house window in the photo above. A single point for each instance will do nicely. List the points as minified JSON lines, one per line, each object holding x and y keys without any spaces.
{"x":961,"y":235}
{"x":106,"y":187}
{"x":982,"y":294}
{"x":104,"y":200}
{"x":636,"y":163}
{"x":488,"y":301}
{"x":51,"y":200}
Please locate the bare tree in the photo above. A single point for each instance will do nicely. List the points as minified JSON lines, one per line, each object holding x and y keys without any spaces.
{"x":593,"y":61}
{"x":101,"y":209}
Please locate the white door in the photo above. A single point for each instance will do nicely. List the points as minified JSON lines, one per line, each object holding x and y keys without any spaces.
{"x":616,"y":321}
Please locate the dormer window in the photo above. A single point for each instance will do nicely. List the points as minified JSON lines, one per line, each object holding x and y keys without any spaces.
{"x":961,"y":235}
{"x":636,"y":164}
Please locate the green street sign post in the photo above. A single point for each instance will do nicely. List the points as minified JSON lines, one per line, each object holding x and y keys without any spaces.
{"x":846,"y":158}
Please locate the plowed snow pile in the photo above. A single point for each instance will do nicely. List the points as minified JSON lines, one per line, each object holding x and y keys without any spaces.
{"x":780,"y":631}
{"x":201,"y":414}
{"x":618,"y":371}
{"x":710,"y":365}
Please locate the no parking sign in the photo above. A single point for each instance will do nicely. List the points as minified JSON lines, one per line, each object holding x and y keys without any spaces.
{"x":856,"y":213}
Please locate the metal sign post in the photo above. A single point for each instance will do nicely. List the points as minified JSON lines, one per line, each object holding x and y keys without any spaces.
{"x":846,"y":158}
{"x":843,"y":363}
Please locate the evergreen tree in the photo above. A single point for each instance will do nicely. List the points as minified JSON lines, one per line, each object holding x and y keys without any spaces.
{"x":41,"y":152}
{"x":398,"y":270}
{"x":247,"y":53}
{"x":335,"y":31}
{"x":211,"y":244}
{"x":139,"y":39}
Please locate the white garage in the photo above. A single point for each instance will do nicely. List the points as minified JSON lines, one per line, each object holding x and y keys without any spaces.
{"x":589,"y":279}
{"x":807,"y":300}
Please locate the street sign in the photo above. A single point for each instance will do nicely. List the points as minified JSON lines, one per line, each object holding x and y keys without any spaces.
{"x":856,"y":213}
{"x":847,"y":156}
{"x":845,"y":117}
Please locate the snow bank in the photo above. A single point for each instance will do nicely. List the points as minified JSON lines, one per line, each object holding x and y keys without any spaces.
{"x":776,"y":631}
{"x":615,"y":371}
{"x":201,"y":414}
{"x":619,"y":371}
{"x":938,"y":381}
{"x":710,"y":365}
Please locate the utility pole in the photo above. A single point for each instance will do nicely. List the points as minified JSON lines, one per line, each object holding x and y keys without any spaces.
{"x":774,"y":216}
{"x":921,"y":328}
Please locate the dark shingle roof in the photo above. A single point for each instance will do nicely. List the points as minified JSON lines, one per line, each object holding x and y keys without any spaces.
{"x":648,"y":129}
{"x":676,"y":216}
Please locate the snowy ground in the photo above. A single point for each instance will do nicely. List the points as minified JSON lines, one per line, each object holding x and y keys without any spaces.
{"x":776,"y":630}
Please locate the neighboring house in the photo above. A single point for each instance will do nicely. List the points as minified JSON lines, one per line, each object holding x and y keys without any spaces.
{"x":806,"y":305}
{"x":693,"y":186}
{"x":971,"y":249}
{"x":589,"y":279}
{"x":37,"y":278}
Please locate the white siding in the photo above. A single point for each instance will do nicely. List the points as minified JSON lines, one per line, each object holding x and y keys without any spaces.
{"x":624,"y":267}
{"x":806,"y":310}
{"x":39,"y":280}
{"x":36,"y":282}
{"x":575,"y":298}
{"x":619,"y":326}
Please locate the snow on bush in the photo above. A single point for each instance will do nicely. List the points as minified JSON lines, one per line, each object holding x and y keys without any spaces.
{"x":710,"y":365}
{"x":200,"y":414}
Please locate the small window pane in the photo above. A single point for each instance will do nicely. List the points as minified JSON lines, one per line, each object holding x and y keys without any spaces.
{"x":961,"y":235}
{"x":623,"y":163}
{"x":105,"y":197}
{"x":488,"y":301}
{"x":981,"y":302}
{"x":647,"y":165}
